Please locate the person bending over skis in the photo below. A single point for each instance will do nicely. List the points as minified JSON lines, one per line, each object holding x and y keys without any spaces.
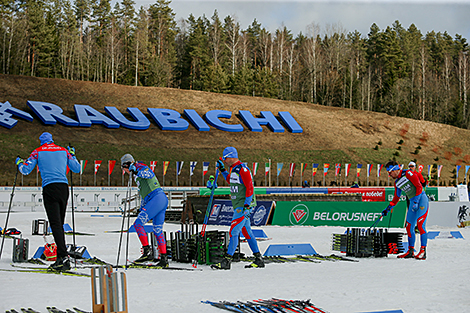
{"x":153,"y":207}
{"x":408,"y":182}
{"x":243,"y":201}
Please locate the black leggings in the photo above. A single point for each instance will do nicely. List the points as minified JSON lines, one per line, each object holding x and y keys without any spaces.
{"x":55,"y":198}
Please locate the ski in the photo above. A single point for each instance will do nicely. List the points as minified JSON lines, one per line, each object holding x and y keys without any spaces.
{"x":79,"y":310}
{"x":54,"y":310}
{"x":43,"y":270}
{"x":154,"y":266}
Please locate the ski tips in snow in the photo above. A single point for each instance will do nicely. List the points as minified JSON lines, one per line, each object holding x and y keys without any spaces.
{"x":271,"y":305}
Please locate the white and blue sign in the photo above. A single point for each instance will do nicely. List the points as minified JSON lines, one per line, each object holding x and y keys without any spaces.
{"x":222,"y":212}
{"x":166,"y":119}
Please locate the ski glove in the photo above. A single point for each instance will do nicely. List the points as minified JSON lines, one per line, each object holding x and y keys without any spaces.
{"x":19,"y":161}
{"x":388,"y":209}
{"x":71,"y":150}
{"x":220,"y":165}
{"x":132,"y":169}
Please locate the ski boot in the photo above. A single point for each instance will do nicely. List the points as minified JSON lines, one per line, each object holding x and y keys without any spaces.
{"x":258,"y":262}
{"x":408,"y":254}
{"x":61,"y":264}
{"x":421,"y":254}
{"x":147,"y":255}
{"x":163,"y":260}
{"x":224,"y":264}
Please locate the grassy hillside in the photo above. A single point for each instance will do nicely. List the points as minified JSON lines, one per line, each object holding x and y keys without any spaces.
{"x":331,"y":135}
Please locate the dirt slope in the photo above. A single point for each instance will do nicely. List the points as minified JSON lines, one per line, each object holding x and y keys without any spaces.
{"x":332,"y":135}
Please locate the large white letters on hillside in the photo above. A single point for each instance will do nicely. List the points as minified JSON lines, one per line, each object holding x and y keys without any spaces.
{"x":166,"y":119}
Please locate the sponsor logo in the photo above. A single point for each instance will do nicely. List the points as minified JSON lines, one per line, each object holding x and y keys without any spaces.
{"x":215,"y":210}
{"x":346,"y":216}
{"x":259,"y":215}
{"x":299,"y":214}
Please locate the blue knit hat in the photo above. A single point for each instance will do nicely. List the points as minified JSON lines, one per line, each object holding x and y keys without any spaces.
{"x":45,"y":138}
{"x":230,"y":152}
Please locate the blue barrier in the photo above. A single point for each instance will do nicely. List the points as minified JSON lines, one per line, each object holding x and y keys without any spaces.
{"x":258,"y":233}
{"x":290,"y":249}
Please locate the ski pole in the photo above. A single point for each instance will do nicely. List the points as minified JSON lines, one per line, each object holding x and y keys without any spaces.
{"x":206,"y":217}
{"x":9,"y":209}
{"x":376,"y":222}
{"x":129,"y":216}
{"x":73,"y":217}
{"x":123,"y":219}
{"x":209,"y":205}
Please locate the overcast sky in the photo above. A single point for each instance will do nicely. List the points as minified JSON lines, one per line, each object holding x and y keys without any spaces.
{"x":452,"y":16}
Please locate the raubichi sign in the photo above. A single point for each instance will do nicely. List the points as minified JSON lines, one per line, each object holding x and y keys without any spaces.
{"x":166,"y":119}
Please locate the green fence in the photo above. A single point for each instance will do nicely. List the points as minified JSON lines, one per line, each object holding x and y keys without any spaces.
{"x":345,"y":214}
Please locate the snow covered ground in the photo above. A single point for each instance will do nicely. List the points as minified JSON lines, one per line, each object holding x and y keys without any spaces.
{"x":439,"y":284}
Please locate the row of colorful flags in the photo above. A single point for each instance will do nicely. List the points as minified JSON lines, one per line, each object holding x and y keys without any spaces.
{"x":292,"y":167}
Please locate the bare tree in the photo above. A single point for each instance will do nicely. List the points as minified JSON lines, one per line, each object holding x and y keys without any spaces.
{"x":232,"y":30}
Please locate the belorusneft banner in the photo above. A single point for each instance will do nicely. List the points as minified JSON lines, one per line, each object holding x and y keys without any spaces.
{"x":345,"y":214}
{"x":222,"y":212}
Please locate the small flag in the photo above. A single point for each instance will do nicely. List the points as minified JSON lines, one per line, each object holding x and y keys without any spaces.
{"x":67,"y":171}
{"x":430,"y":170}
{"x":337,"y":169}
{"x":466,"y":169}
{"x":192,"y":166}
{"x":457,"y":172}
{"x":359,"y":166}
{"x":255,"y":168}
{"x":37,"y":168}
{"x":347,"y":167}
{"x":111,"y":164}
{"x":439,"y":168}
{"x":369,"y":168}
{"x":303,"y":166}
{"x":179,"y":166}
{"x":420,"y":168}
{"x":83,"y":164}
{"x":266,"y":168}
{"x":153,"y":164}
{"x":97,"y":165}
{"x":291,"y":170}
{"x":165,"y":167}
{"x":279,"y":168}
{"x":314,"y":169}
{"x":205,"y":168}
{"x":379,"y":169}
{"x":326,"y":166}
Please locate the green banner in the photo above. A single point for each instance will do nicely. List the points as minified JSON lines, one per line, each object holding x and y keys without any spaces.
{"x":345,"y":214}
{"x":432,"y":193}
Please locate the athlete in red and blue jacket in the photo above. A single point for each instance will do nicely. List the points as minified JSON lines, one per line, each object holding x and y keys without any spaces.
{"x":52,"y":161}
{"x":408,"y":182}
{"x":243,"y":201}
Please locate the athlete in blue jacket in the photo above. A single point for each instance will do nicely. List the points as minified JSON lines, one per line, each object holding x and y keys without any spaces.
{"x":52,"y":161}
{"x":153,"y":207}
